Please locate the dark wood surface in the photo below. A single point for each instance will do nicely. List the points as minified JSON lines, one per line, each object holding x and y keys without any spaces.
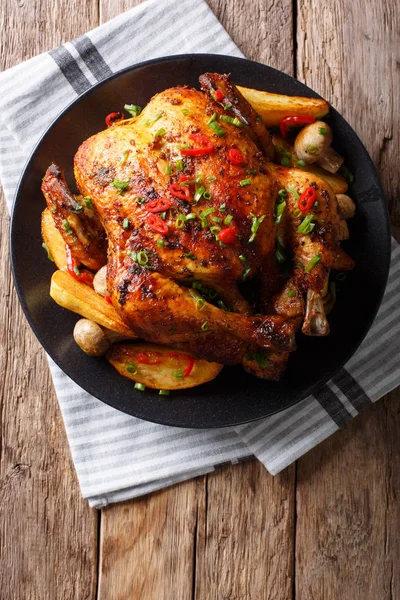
{"x":326,"y":528}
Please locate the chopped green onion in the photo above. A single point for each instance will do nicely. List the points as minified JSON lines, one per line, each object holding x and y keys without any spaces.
{"x":231,"y":120}
{"x":291,"y":293}
{"x":282,"y":194}
{"x":168,"y":170}
{"x":211,"y":178}
{"x":142,"y":258}
{"x":207,"y":196}
{"x":206,"y":212}
{"x":164,"y":393}
{"x":314,"y":261}
{"x":125,"y":223}
{"x":199,"y":193}
{"x":190,"y":255}
{"x":133,"y":109}
{"x":66,"y":225}
{"x":279,"y":210}
{"x":179,"y":165}
{"x":120,"y":185}
{"x":344,"y":171}
{"x":140,"y":200}
{"x":153,"y":120}
{"x":212,"y":119}
{"x":222,"y":305}
{"x":191,"y":216}
{"x":242,"y":258}
{"x":200,"y":302}
{"x":54,"y":207}
{"x":139,"y":386}
{"x":160,"y":132}
{"x":323,"y":130}
{"x":163,"y":215}
{"x":312,"y":150}
{"x":246,"y":273}
{"x":215,"y":229}
{"x":217,"y":129}
{"x":160,"y":243}
{"x":131,"y":368}
{"x":204,"y":327}
{"x":198,"y":178}
{"x":49,"y":256}
{"x":254,"y":227}
{"x":307,"y":225}
{"x":228,"y":220}
{"x":261,"y":357}
{"x":178,"y":374}
{"x":301,"y":163}
{"x":180,"y":221}
{"x":297,"y":213}
{"x":222,"y":208}
{"x":185,"y":111}
{"x":133,"y":255}
{"x":285,"y":162}
{"x":124,"y":157}
{"x":216,"y":219}
{"x":280,"y":254}
{"x":227,"y":106}
{"x":77,"y":271}
{"x":88,"y":202}
{"x":244,"y":182}
{"x":292,"y":190}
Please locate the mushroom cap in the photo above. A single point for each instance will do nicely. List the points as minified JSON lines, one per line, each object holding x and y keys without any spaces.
{"x":310,"y":144}
{"x":100,"y":281}
{"x":91,"y":338}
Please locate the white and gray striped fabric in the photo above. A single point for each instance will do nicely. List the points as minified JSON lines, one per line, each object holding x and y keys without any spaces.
{"x":117,"y":456}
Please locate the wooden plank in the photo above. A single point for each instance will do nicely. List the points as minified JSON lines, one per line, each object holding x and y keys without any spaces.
{"x":158,"y":558}
{"x":245,"y":541}
{"x":48,"y":534}
{"x":347,"y":516}
{"x":148,"y":545}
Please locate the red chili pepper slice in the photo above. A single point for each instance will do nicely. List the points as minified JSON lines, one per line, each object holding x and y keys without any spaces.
{"x":286,"y":122}
{"x":183,"y":178}
{"x":157,"y":224}
{"x":159,"y":205}
{"x":179,"y":191}
{"x":204,"y":142}
{"x":144,"y":358}
{"x":235,"y":156}
{"x":227,"y":236}
{"x":219,"y":95}
{"x":190,"y":360}
{"x":108,"y":299}
{"x":113,"y":117}
{"x":307,"y":199}
{"x":72,"y":266}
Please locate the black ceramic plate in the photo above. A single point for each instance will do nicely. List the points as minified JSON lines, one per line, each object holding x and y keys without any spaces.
{"x":233,"y":397}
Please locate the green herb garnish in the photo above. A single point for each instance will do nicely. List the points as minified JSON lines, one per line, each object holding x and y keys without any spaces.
{"x":120,"y":185}
{"x":314,"y":261}
{"x":133,"y":109}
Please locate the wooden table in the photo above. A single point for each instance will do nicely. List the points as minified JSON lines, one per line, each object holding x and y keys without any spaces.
{"x":328,"y":527}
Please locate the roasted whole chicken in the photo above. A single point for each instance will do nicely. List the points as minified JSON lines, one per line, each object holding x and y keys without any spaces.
{"x":194,"y":222}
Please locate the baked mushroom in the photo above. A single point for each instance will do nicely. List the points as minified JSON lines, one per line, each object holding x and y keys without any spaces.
{"x":313,"y":144}
{"x":100,"y":281}
{"x":346,"y":206}
{"x":91,"y":338}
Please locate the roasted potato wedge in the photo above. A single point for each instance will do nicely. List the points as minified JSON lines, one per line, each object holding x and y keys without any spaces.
{"x":165,"y":366}
{"x":336,"y":181}
{"x":53,"y":240}
{"x":83,"y":300}
{"x":274,"y":107}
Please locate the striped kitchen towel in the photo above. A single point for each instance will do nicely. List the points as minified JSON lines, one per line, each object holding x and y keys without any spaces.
{"x":117,"y":456}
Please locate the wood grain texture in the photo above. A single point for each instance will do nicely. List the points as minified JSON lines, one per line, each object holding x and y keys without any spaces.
{"x":148,"y":545}
{"x":245,"y":535}
{"x":347,"y":487}
{"x":48,"y":534}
